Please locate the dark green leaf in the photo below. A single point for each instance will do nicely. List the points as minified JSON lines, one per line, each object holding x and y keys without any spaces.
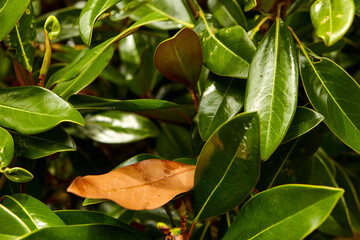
{"x":91,"y":11}
{"x":118,"y":127}
{"x":43,"y":144}
{"x":40,"y":111}
{"x":228,"y":13}
{"x":357,"y":7}
{"x":180,"y":58}
{"x":222,"y":98}
{"x":301,"y":208}
{"x":272,"y":86}
{"x":228,"y":166}
{"x":22,"y":38}
{"x":6,"y":148}
{"x":332,"y":19}
{"x":226,"y":51}
{"x":10,"y":13}
{"x":304,"y":120}
{"x":337,"y":101}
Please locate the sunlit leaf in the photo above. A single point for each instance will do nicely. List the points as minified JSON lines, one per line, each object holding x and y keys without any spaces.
{"x":6,"y":148}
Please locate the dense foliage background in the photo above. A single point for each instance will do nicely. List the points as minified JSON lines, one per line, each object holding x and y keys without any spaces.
{"x":224,"y":119}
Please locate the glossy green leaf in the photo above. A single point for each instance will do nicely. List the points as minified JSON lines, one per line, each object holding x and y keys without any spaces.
{"x":18,"y":174}
{"x":10,"y":13}
{"x":22,"y":38}
{"x":79,"y":66}
{"x":76,"y":217}
{"x":304,"y":120}
{"x":153,"y":108}
{"x":338,"y":223}
{"x":43,"y":144}
{"x":31,"y":212}
{"x":40,"y":111}
{"x":52,"y":27}
{"x":126,"y":8}
{"x":226,"y":51}
{"x":222,"y":99}
{"x":272,"y":213}
{"x":228,"y":166}
{"x":91,"y":11}
{"x":85,"y":231}
{"x":273,"y":85}
{"x":86,"y":76}
{"x":334,"y":94}
{"x":180,"y":58}
{"x":250,"y":4}
{"x":6,"y":148}
{"x":332,"y":19}
{"x":118,"y":127}
{"x":177,"y":12}
{"x":14,"y":225}
{"x":228,"y":13}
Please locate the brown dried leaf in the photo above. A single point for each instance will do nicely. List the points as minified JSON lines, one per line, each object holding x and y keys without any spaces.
{"x":148,"y":184}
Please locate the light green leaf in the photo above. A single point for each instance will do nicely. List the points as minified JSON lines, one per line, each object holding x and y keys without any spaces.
{"x":226,"y":51}
{"x":118,"y":127}
{"x":228,"y":166}
{"x":91,"y":11}
{"x":40,"y":111}
{"x":6,"y":148}
{"x":334,"y":94}
{"x":18,"y":174}
{"x":272,"y":86}
{"x":222,"y":99}
{"x":301,"y":208}
{"x":43,"y":144}
{"x":10,"y":13}
{"x":332,"y":19}
{"x":52,"y":27}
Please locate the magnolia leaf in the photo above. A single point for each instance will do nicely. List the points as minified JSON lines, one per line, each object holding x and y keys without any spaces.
{"x":6,"y":148}
{"x":148,"y":184}
{"x":18,"y":174}
{"x":52,"y":27}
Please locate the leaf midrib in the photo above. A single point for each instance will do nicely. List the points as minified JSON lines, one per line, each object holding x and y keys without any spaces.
{"x":25,"y":211}
{"x":29,"y":112}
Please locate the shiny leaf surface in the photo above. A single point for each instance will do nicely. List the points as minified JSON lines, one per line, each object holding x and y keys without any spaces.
{"x":91,"y":11}
{"x":40,"y":111}
{"x":223,"y":97}
{"x":43,"y":144}
{"x":304,"y":120}
{"x":180,"y":58}
{"x":10,"y":13}
{"x":6,"y":148}
{"x":118,"y":127}
{"x":300,"y":207}
{"x":228,"y":13}
{"x":226,"y":51}
{"x":334,"y":94}
{"x":273,"y":85}
{"x":18,"y":174}
{"x":332,"y":19}
{"x":228,"y":166}
{"x":148,"y":184}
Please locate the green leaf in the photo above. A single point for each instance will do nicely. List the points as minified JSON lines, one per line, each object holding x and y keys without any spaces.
{"x":118,"y":127}
{"x":18,"y":174}
{"x":226,"y":51}
{"x":91,"y":11}
{"x":31,"y":212}
{"x":228,"y":166}
{"x":85,"y":231}
{"x":338,"y":223}
{"x":40,"y":111}
{"x":86,"y":76}
{"x":332,"y":19}
{"x":43,"y":144}
{"x":76,"y":217}
{"x":228,"y":13}
{"x":180,"y":58}
{"x":10,"y":13}
{"x":304,"y":120}
{"x":81,"y":66}
{"x":301,"y":208}
{"x":6,"y":148}
{"x":14,"y":225}
{"x":337,"y":101}
{"x":22,"y":38}
{"x":222,"y":98}
{"x":357,"y":7}
{"x":272,"y":86}
{"x":126,"y":8}
{"x":250,"y":4}
{"x":52,"y":27}
{"x":153,"y":108}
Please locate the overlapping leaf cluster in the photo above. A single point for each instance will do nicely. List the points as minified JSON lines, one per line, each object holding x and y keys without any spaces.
{"x":209,"y":119}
